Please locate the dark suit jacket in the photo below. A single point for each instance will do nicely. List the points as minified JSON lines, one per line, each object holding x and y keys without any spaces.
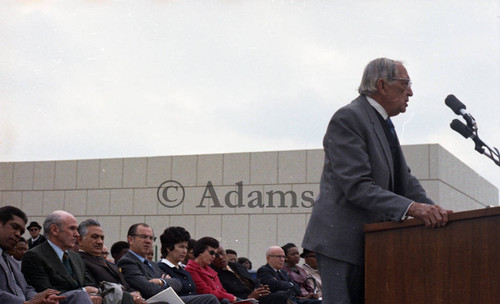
{"x":7,"y":284}
{"x":137,"y":275}
{"x":232,"y":283}
{"x":188,"y":287}
{"x":43,"y":269}
{"x":357,"y":175}
{"x":277,"y":282}
{"x":38,"y":241}
{"x":99,"y":270}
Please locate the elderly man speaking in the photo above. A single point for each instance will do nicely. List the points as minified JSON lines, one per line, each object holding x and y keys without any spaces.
{"x":365,"y":180}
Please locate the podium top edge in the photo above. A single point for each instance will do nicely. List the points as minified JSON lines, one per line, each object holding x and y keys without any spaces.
{"x":413,"y":222}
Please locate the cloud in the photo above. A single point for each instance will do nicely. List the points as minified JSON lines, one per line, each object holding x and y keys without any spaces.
{"x":120,"y":79}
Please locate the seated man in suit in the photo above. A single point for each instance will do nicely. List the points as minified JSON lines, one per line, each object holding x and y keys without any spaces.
{"x":278,"y":281}
{"x":13,"y":287}
{"x":97,"y":268}
{"x":36,"y":237}
{"x":52,"y":264}
{"x":147,"y":277}
{"x":236,"y":280}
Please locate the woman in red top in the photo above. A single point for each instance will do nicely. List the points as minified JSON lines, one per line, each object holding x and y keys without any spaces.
{"x":205,"y":278}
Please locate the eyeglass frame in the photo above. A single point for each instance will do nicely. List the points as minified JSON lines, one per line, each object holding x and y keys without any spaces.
{"x":277,"y":256}
{"x":144,"y":237}
{"x":408,"y":81}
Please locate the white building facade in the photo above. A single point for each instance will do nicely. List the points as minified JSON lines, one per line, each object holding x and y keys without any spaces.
{"x":248,"y":201}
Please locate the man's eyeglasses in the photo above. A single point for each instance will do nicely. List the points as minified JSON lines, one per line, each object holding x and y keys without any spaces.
{"x":276,"y":256}
{"x":33,"y":229}
{"x":144,"y":237}
{"x":406,"y":81}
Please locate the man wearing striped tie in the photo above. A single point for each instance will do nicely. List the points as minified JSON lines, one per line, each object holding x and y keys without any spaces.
{"x":53,"y":264}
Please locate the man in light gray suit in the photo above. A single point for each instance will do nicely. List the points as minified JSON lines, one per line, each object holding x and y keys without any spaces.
{"x":365,"y":180}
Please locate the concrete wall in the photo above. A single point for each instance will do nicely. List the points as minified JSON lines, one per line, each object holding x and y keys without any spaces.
{"x":249,"y":201}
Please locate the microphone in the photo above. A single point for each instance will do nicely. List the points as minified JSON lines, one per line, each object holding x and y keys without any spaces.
{"x":470,"y":130}
{"x":467,"y":132}
{"x":456,"y":105}
{"x":462,"y":129}
{"x":459,"y":108}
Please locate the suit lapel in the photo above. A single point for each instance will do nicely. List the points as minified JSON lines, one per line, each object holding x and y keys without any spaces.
{"x":54,"y":261}
{"x":8,"y":276}
{"x":379,"y":132}
{"x":76,"y":267}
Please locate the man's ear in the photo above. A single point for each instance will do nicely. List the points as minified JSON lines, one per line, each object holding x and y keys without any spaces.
{"x":54,"y":230}
{"x":382,"y":86}
{"x":79,"y":240}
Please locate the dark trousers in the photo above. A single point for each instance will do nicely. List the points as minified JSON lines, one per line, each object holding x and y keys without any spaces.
{"x":343,"y":283}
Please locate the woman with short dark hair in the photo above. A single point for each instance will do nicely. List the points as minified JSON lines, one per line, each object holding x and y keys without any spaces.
{"x":205,"y":278}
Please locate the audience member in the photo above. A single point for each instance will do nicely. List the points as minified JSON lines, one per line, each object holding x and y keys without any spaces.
{"x":97,"y":268}
{"x":236,"y":280}
{"x":232,"y":256}
{"x":20,"y":249}
{"x":139,"y":273}
{"x":36,"y":237}
{"x":245,"y":262}
{"x":311,"y":268}
{"x":118,"y":249}
{"x":105,"y":254}
{"x":189,"y":254}
{"x":13,"y":287}
{"x":150,"y":255}
{"x":174,"y":244}
{"x":296,"y":273}
{"x":52,"y":264}
{"x":205,"y":278}
{"x":272,"y":274}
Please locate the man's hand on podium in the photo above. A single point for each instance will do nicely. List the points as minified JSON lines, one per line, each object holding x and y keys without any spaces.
{"x":432,"y":215}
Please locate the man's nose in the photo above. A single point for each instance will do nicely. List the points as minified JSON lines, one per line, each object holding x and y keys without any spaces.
{"x":410,"y":92}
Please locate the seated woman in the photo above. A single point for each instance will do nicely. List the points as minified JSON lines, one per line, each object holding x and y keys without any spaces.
{"x":174,"y":244}
{"x":297,"y":273}
{"x":311,"y":268}
{"x":248,"y":266}
{"x":205,"y":278}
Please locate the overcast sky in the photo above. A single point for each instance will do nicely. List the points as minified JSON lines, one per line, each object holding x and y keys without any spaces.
{"x":108,"y":79}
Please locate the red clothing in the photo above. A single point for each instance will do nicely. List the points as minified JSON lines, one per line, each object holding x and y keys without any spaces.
{"x":207,"y":281}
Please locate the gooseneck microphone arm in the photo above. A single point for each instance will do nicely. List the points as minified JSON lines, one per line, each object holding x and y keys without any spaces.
{"x":470,"y":130}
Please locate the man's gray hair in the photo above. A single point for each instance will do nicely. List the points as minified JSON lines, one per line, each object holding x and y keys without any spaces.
{"x":83,"y":227}
{"x":376,"y":69}
{"x":270,"y":249}
{"x":51,"y":219}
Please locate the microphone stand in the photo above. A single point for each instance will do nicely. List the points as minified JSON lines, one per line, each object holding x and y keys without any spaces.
{"x":493,"y":154}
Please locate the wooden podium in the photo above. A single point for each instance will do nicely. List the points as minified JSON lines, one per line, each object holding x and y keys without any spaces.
{"x":459,"y":263}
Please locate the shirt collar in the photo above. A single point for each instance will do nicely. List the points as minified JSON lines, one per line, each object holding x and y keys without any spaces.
{"x":170,"y":264}
{"x":138,"y":256}
{"x":378,"y":107}
{"x":58,"y":250}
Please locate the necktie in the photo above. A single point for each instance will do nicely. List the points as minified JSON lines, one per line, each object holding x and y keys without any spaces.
{"x":66,"y":264}
{"x":391,"y":128}
{"x":147,"y":264}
